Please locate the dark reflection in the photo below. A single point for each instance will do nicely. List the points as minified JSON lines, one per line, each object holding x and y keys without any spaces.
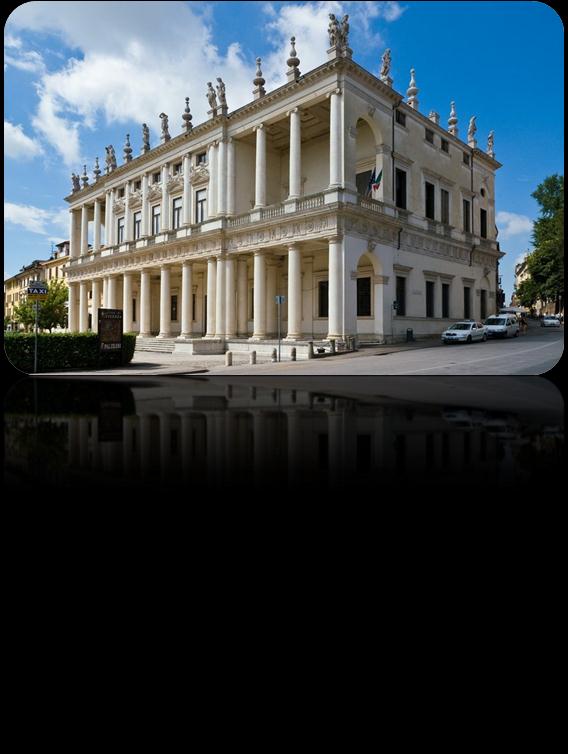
{"x":275,"y":435}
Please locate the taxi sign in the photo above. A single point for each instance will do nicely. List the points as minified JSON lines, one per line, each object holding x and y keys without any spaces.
{"x":37,"y":290}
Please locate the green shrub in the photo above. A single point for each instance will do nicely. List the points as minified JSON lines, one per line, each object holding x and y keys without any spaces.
{"x":60,"y":351}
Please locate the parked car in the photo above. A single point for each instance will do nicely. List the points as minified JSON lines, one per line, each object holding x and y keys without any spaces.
{"x":502,"y":326}
{"x":550,"y":321}
{"x":464,"y":332}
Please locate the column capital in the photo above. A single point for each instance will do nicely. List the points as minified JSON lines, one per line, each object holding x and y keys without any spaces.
{"x":335,"y":91}
{"x":259,"y":253}
{"x":335,"y":238}
{"x":260,"y":127}
{"x":293,"y":110}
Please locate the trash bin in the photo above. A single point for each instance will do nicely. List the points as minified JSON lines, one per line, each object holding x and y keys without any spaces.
{"x":409,"y":335}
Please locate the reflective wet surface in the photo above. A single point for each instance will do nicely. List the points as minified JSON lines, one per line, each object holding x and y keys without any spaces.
{"x":271,"y":436}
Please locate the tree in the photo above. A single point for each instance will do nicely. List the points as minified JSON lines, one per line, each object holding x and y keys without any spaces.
{"x":526,"y":293}
{"x":53,"y":310}
{"x":24,"y":314}
{"x":546,"y":263}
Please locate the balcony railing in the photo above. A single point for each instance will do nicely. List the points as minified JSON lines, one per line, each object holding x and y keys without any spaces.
{"x":310,"y":202}
{"x":371,"y":204}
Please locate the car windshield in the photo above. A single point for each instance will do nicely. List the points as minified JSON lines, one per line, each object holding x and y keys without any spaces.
{"x":495,"y":321}
{"x":460,"y":326}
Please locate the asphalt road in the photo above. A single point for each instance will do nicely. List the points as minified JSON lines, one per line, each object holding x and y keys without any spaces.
{"x":534,"y":353}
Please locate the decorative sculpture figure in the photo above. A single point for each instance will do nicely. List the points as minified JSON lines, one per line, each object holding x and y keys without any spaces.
{"x":221,"y":93}
{"x":212,"y":98}
{"x":344,"y":32}
{"x":385,"y":64}
{"x":165,"y":133}
{"x":333,"y":30}
{"x":110,"y":159}
{"x":75,"y":181}
{"x":145,"y":138}
{"x":471,"y":131}
{"x":491,"y":144}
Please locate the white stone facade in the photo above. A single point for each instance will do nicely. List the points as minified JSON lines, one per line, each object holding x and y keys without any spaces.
{"x":284,"y":181}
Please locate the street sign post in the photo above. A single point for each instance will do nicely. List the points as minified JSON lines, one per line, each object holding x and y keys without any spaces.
{"x":37,"y":292}
{"x":110,"y":332}
{"x":279,"y":300}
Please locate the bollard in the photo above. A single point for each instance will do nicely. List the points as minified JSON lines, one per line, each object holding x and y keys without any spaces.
{"x":274,"y":357}
{"x":228,"y":359}
{"x":252,"y":359}
{"x":311,"y":349}
{"x":332,"y":343}
{"x":293,"y":354}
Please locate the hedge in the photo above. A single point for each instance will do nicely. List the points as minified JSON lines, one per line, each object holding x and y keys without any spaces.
{"x":60,"y":351}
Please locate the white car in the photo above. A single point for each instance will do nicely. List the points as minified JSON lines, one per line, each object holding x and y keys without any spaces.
{"x":464,"y":332}
{"x":550,"y":322}
{"x":502,"y":326}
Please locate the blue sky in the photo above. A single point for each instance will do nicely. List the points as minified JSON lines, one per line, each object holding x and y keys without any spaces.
{"x":80,"y":75}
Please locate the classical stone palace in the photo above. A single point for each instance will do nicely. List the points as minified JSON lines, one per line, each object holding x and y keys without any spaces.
{"x":332,"y":191}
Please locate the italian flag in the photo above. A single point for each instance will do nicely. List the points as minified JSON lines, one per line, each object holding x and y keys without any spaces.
{"x":376,"y":182}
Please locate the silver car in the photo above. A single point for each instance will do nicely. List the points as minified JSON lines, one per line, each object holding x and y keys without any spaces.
{"x":502,"y":326}
{"x":550,"y":322}
{"x":464,"y":332}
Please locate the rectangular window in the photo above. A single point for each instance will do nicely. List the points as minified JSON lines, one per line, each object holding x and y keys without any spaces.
{"x":465,"y":158}
{"x":483,"y":304}
{"x":137,"y":225}
{"x":193,"y":307}
{"x":401,"y":296}
{"x":429,"y":136}
{"x":400,"y":177}
{"x":323,"y":300}
{"x":174,"y":309}
{"x":121,"y":192}
{"x":363,"y":297}
{"x":156,"y":220}
{"x":445,"y":300}
{"x":429,"y":298}
{"x":137,"y":185}
{"x":362,"y":183}
{"x":134,"y":310}
{"x":176,"y":224}
{"x":120,"y":230}
{"x":430,"y":193}
{"x":445,"y":206}
{"x":201,"y":158}
{"x":201,"y":206}
{"x":483,"y":223}
{"x":177,"y":168}
{"x":466,"y":302}
{"x":400,"y":118}
{"x":445,"y":146}
{"x":156,"y":177}
{"x":466,"y":217}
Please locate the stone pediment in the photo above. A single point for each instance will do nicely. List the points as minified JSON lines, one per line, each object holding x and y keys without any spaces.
{"x":118,"y":206}
{"x":175,"y":182}
{"x":199,"y":174}
{"x":135,"y":199}
{"x":154,"y":192}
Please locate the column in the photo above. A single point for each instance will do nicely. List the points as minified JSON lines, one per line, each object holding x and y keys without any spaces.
{"x":97,"y":230}
{"x":231,"y":305}
{"x":242,"y":298}
{"x":165,"y":210}
{"x":260,"y":171}
{"x":438,"y":298}
{"x":111,"y":292}
{"x":212,"y":191}
{"x":73,"y":323}
{"x":294,"y":293}
{"x":107,"y":218}
{"x":231,"y":177}
{"x":259,"y":331}
{"x":110,"y":227}
{"x":74,"y":238}
{"x":145,"y":303}
{"x":127,"y":302}
{"x":84,"y":229}
{"x":83,"y":307}
{"x":335,"y":296}
{"x":222,"y":180}
{"x":335,"y":141}
{"x":186,"y":193}
{"x":144,"y":231}
{"x":95,"y":304}
{"x":127,"y":222}
{"x":165,"y":302}
{"x":186,"y":300}
{"x":211,"y":289}
{"x":105,"y":292}
{"x":220,"y":300}
{"x":295,"y":154}
{"x":271,"y":321}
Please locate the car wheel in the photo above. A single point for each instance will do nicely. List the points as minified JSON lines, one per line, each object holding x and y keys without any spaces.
{"x":516,"y":333}
{"x":468,"y":339}
{"x":484,"y":337}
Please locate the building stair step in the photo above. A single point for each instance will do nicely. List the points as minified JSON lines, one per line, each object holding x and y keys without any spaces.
{"x":159,"y":345}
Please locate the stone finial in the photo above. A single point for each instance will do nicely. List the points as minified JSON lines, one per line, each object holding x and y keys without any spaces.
{"x":434,"y":117}
{"x":97,"y":170}
{"x":127,"y":149}
{"x":75,"y":182}
{"x":384,"y":74}
{"x":259,"y":90}
{"x":212,"y":99}
{"x":85,"y":177}
{"x":165,"y":132}
{"x":293,"y":72}
{"x":491,"y":144}
{"x":145,"y":139}
{"x":187,"y":117}
{"x":221,"y":96}
{"x":453,"y":120}
{"x":471,"y":140}
{"x":412,"y":90}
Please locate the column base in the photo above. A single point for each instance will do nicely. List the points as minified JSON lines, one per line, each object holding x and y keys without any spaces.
{"x":258,"y":336}
{"x":145,"y":334}
{"x":185,"y":336}
{"x":294,"y":336}
{"x":165,"y":335}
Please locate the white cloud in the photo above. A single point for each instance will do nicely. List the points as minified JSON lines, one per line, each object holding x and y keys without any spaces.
{"x":36,"y":220}
{"x":510,"y":224}
{"x":14,"y":42}
{"x":30,"y":61}
{"x":17,"y":144}
{"x":392,"y":11}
